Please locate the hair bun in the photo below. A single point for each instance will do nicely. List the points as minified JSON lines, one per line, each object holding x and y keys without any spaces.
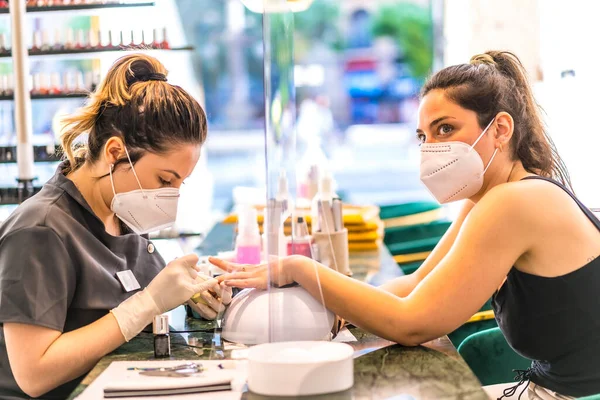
{"x":145,"y":77}
{"x":483,"y":59}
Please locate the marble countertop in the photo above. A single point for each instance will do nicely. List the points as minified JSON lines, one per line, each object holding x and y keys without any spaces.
{"x":382,"y":369}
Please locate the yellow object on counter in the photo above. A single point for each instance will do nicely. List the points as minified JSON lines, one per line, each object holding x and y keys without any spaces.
{"x":358,"y":247}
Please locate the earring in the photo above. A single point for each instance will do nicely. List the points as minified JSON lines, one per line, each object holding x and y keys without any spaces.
{"x":112,"y":167}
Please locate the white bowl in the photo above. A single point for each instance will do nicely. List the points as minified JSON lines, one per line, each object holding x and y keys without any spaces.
{"x":277,"y":315}
{"x":300,"y":368}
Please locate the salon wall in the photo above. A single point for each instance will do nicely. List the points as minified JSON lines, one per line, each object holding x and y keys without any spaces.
{"x":474,"y":26}
{"x":556,"y":42}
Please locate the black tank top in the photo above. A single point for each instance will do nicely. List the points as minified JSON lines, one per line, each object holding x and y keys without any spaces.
{"x":555,"y":322}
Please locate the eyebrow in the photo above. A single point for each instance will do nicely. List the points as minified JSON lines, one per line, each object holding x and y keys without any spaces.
{"x":173,"y":172}
{"x":435,"y":121}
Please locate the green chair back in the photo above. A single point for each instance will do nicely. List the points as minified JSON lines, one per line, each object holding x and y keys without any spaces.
{"x":491,"y":358}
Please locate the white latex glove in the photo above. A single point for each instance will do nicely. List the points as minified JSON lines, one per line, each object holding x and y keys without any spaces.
{"x":211,"y":302}
{"x":173,"y":286}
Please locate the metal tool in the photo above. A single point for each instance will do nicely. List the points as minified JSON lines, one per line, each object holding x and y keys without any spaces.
{"x":183,"y":367}
{"x":170,"y":374}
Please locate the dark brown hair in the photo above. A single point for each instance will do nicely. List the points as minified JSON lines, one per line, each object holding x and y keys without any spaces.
{"x":496,"y":81}
{"x":135,"y":102}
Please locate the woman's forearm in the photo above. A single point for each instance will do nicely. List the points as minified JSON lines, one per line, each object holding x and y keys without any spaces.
{"x":372,"y":309}
{"x":39,"y":368}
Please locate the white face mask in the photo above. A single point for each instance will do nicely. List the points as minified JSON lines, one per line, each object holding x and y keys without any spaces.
{"x":453,"y":170}
{"x":145,"y":211}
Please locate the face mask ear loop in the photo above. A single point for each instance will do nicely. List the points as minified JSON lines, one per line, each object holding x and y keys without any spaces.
{"x":490,"y":163}
{"x":483,"y":133}
{"x":112,"y":183}
{"x":134,"y":174}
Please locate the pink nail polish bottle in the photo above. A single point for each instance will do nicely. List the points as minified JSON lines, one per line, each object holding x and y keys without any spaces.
{"x":301,"y":242}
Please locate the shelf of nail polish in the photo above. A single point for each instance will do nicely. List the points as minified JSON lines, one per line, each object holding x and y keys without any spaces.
{"x":44,"y":85}
{"x":90,"y":41}
{"x":50,"y":153}
{"x":62,"y":5}
{"x":81,"y":95}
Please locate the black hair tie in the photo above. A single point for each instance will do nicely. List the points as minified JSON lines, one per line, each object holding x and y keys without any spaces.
{"x":152,"y":76}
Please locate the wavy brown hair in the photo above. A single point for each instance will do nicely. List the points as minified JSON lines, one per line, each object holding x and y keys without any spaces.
{"x":135,"y":102}
{"x":496,"y":81}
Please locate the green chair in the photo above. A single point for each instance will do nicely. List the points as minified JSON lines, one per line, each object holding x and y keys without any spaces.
{"x":491,"y":358}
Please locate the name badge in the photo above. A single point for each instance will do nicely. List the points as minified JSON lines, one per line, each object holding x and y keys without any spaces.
{"x":128,"y":280}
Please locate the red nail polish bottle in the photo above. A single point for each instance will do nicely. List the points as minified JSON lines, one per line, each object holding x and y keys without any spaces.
{"x":165,"y":41}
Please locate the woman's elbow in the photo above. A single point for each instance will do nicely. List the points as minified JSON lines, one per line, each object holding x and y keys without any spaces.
{"x":31,"y":384}
{"x":413,"y":337}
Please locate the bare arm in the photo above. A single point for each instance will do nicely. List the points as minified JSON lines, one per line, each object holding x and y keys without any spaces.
{"x":494,"y":235}
{"x":42,"y":358}
{"x":404,"y":285}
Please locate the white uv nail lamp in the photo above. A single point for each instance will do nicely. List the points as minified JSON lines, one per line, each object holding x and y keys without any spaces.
{"x":293,"y":355}
{"x":276,"y":315}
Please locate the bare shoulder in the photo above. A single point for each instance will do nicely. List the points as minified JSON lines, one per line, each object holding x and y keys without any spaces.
{"x":525,"y":201}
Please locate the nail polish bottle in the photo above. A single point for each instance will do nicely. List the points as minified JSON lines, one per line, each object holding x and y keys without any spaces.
{"x":70,"y":41}
{"x":165,"y":41}
{"x":3,"y":46}
{"x":55,"y":85}
{"x":162,"y":340}
{"x":67,"y":82}
{"x":109,"y":42}
{"x":31,"y":3}
{"x":36,"y":84}
{"x":155,"y":43}
{"x":80,"y":42}
{"x":99,"y":39}
{"x":95,"y":80}
{"x":58,"y":46}
{"x":37,"y":42}
{"x":122,"y":43}
{"x":143,"y":44}
{"x":41,"y":3}
{"x":79,"y":85}
{"x":88,"y":80}
{"x":301,"y":241}
{"x":9,"y":90}
{"x":45,"y":41}
{"x":45,"y":83}
{"x":3,"y":85}
{"x":132,"y":42}
{"x":3,"y":4}
{"x":91,"y":39}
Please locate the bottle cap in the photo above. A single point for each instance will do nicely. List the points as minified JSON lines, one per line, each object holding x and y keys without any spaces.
{"x":160,"y":326}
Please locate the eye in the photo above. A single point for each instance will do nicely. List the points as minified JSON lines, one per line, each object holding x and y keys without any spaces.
{"x":445,"y":129}
{"x":164,"y":182}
